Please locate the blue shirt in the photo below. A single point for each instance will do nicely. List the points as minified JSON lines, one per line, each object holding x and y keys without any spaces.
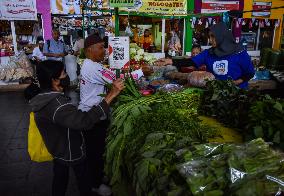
{"x":56,"y":47}
{"x":233,"y":66}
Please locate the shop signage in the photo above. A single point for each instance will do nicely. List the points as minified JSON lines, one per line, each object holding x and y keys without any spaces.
{"x":18,"y":10}
{"x":215,"y":6}
{"x":121,"y":3}
{"x":118,"y":52}
{"x":162,"y":7}
{"x":261,"y":8}
{"x":65,"y":7}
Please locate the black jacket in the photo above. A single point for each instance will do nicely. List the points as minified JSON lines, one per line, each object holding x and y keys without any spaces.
{"x":60,"y":124}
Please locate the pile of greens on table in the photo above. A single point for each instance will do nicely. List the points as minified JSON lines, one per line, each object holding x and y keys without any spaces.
{"x":253,"y":114}
{"x":158,"y":146}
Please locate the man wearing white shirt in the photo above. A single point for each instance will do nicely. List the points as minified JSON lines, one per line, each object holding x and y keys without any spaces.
{"x":93,"y":81}
{"x":38,"y":51}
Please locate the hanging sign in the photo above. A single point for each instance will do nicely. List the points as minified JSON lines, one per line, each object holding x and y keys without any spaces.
{"x":18,"y":10}
{"x":118,"y":52}
{"x":163,"y":7}
{"x":65,"y":7}
{"x":216,"y":6}
{"x":261,"y":9}
{"x":121,"y":3}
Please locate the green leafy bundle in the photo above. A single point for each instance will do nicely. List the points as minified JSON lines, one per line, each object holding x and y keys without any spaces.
{"x":254,"y":114}
{"x":266,"y":120}
{"x":227,"y":102}
{"x":144,"y":136}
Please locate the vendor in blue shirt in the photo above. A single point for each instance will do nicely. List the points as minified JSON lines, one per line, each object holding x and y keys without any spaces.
{"x":225,"y":59}
{"x":54,"y":49}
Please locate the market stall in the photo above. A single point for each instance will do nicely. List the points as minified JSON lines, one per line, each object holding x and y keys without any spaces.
{"x":20,"y":26}
{"x":157,"y":19}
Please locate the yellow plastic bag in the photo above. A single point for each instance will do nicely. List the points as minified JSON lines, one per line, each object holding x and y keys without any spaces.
{"x":36,"y":146}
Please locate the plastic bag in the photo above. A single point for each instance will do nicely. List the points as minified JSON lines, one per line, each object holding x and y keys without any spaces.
{"x":36,"y":146}
{"x":21,"y":61}
{"x":247,"y":169}
{"x":71,"y":67}
{"x":171,"y":88}
{"x":199,"y":78}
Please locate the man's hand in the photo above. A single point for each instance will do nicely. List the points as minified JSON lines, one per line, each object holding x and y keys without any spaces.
{"x":117,"y":87}
{"x":164,"y":62}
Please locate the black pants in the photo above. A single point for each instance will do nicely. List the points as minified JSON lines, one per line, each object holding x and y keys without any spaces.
{"x":61,"y":177}
{"x":95,"y":148}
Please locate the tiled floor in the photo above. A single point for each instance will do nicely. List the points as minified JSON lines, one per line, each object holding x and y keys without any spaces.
{"x":19,"y":176}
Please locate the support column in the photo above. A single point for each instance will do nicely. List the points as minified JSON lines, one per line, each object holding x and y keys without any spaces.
{"x":116,"y":15}
{"x":188,"y":29}
{"x":14,"y":37}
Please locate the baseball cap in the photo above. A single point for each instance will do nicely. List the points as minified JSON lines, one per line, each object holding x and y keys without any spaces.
{"x":91,"y":40}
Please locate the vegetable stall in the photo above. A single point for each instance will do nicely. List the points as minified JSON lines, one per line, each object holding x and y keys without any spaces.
{"x":219,"y":140}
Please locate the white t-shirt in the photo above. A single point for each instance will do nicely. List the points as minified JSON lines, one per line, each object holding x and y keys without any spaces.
{"x":93,"y":81}
{"x":79,"y":44}
{"x":37,"y":53}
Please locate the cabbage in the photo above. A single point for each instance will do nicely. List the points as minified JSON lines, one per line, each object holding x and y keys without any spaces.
{"x":140,"y":52}
{"x":138,"y":57}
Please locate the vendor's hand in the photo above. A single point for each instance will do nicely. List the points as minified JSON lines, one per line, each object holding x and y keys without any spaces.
{"x":164,"y":62}
{"x":117,"y":87}
{"x":238,"y":82}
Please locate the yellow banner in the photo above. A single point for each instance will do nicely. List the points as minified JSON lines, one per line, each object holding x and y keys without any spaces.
{"x":163,"y":7}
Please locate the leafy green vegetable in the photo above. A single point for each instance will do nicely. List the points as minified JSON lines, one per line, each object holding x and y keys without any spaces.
{"x":144,"y":136}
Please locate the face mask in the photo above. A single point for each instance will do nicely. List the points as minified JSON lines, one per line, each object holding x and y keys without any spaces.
{"x":65,"y":82}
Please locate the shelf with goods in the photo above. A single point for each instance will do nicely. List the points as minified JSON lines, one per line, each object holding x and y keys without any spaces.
{"x":6,"y":39}
{"x":17,"y":42}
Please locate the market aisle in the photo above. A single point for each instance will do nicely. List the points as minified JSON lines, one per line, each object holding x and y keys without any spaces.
{"x":18,"y":175}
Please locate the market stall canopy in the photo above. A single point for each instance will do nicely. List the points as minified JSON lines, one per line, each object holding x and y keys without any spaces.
{"x":18,"y":10}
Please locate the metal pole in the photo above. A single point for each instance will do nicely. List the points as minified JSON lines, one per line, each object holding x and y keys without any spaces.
{"x":14,"y":37}
{"x":274,"y":33}
{"x":116,"y":17}
{"x":184,"y":36}
{"x":258,"y":36}
{"x":163,"y":34}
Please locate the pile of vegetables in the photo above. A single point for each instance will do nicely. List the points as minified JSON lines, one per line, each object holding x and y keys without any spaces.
{"x":253,"y":114}
{"x":266,"y":120}
{"x":144,"y":136}
{"x":139,"y":58}
{"x":158,"y":145}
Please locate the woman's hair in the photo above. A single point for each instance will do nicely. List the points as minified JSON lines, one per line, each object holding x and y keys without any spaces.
{"x":48,"y":70}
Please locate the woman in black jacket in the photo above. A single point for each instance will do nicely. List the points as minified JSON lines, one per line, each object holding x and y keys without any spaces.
{"x":60,"y":124}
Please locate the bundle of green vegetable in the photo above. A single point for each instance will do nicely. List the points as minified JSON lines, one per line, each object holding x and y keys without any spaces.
{"x":266,"y":120}
{"x":227,"y":102}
